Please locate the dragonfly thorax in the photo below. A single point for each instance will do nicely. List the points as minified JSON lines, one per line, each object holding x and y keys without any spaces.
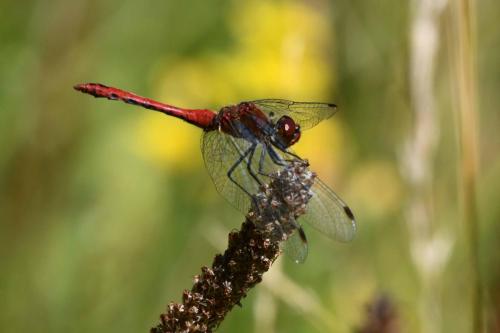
{"x":247,"y":121}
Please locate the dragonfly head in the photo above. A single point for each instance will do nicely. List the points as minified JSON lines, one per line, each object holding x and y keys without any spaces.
{"x":287,"y":132}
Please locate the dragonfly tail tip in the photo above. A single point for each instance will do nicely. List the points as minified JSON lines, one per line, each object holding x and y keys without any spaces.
{"x":80,"y":87}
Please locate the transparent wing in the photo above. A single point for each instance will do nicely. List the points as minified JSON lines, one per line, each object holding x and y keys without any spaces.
{"x":327,"y":213}
{"x":295,"y":247}
{"x":220,"y":153}
{"x":306,"y":114}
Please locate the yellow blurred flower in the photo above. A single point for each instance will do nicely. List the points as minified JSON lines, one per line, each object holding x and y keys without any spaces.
{"x":169,"y":142}
{"x":279,"y":53}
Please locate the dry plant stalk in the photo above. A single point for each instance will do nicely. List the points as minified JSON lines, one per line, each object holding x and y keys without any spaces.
{"x":250,"y":253}
{"x":464,"y":60}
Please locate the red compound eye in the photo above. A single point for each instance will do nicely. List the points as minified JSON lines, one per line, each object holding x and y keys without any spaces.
{"x":288,"y":132}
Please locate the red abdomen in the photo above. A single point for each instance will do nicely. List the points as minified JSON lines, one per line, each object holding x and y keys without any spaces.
{"x":199,"y":117}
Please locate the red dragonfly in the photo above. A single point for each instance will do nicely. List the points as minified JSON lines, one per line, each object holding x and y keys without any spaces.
{"x":243,"y":143}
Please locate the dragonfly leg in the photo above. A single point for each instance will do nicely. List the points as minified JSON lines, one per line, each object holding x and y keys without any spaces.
{"x":235,"y":165}
{"x":249,"y":164}
{"x":249,"y":152}
{"x":261,"y":162}
{"x":275,"y":157}
{"x":297,"y":157}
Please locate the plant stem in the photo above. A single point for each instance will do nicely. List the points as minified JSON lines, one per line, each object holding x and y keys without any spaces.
{"x":250,"y":253}
{"x":463,"y":13}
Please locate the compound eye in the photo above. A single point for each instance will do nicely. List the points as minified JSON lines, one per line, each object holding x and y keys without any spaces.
{"x":288,"y":131}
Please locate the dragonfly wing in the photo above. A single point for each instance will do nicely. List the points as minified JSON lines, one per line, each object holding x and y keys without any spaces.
{"x":327,"y":213}
{"x":295,"y":247}
{"x":221,"y":152}
{"x":306,"y":114}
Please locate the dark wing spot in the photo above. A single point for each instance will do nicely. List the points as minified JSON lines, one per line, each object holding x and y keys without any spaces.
{"x":113,"y":96}
{"x":332,"y":105}
{"x":271,"y":114}
{"x":302,"y":235}
{"x":349,"y":213}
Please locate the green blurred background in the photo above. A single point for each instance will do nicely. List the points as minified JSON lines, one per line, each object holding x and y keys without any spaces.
{"x":106,"y":211}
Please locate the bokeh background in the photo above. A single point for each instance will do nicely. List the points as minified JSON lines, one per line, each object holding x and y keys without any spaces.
{"x":106,"y":211}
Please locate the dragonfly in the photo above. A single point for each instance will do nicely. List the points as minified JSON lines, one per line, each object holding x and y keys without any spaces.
{"x":242,"y":144}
